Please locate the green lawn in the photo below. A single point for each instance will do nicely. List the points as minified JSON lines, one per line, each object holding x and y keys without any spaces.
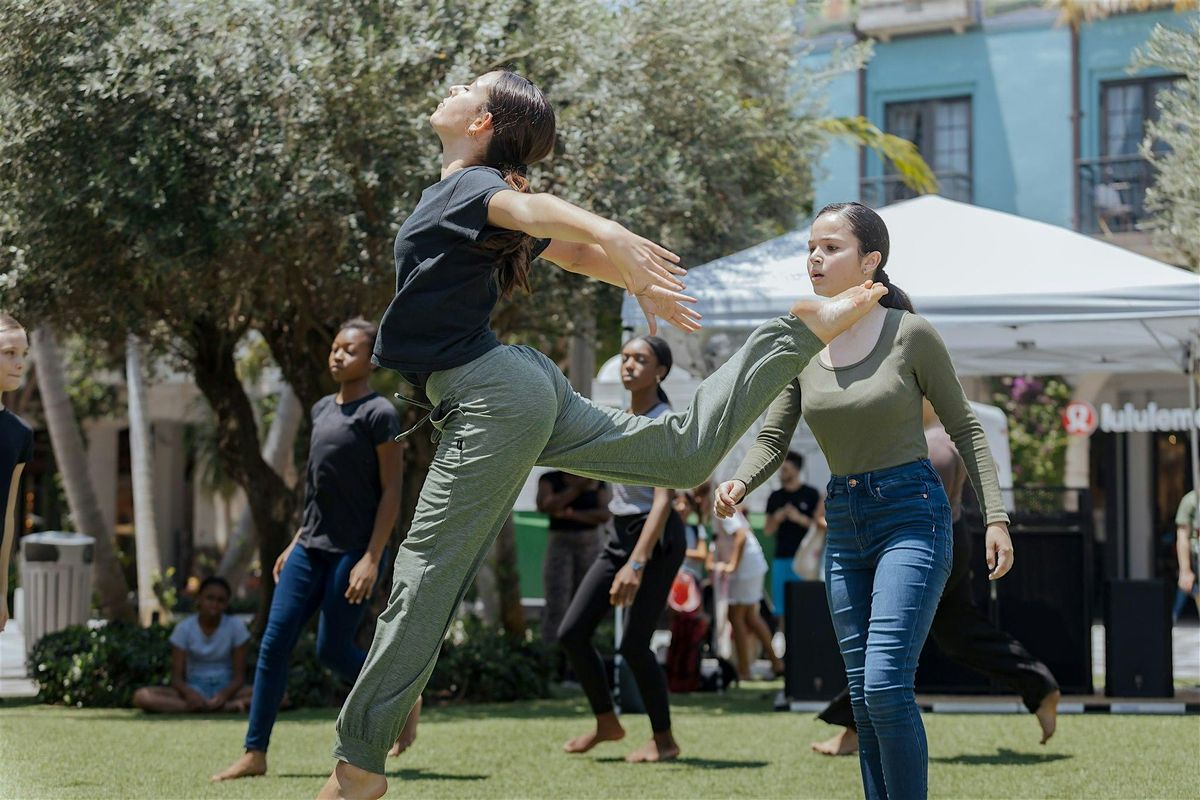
{"x":734,"y":746}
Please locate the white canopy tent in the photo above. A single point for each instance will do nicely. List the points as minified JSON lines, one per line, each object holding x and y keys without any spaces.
{"x":1009,"y":295}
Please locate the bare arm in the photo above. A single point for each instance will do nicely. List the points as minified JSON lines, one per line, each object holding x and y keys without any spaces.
{"x":647,"y":270}
{"x":1187,"y":578}
{"x":10,"y":509}
{"x":552,"y":502}
{"x":236,"y":681}
{"x":625,"y":583}
{"x":739,"y":546}
{"x":179,"y":683}
{"x":391,"y":473}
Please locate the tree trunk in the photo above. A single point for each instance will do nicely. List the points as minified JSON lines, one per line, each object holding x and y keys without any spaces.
{"x":508,"y":579}
{"x":141,"y":455}
{"x":498,"y":583}
{"x":271,"y":502}
{"x":278,"y":453}
{"x":71,"y":458}
{"x":581,"y":364}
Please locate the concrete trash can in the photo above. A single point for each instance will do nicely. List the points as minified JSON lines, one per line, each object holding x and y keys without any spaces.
{"x":56,"y":574}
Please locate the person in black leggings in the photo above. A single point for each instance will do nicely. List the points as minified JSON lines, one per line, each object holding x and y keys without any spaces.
{"x":636,"y":568}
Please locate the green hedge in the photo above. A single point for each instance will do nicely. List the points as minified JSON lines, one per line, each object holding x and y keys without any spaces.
{"x":102,"y":667}
{"x":483,"y":664}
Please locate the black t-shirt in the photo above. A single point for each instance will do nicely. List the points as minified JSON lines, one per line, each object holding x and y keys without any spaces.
{"x":586,"y":501}
{"x":446,"y":285}
{"x":341,"y":485}
{"x":789,"y":535}
{"x":16,"y":447}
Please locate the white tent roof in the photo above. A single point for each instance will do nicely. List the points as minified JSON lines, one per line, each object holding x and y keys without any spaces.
{"x":1009,"y":295}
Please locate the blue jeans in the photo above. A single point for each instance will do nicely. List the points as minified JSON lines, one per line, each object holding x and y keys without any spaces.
{"x":311,"y":579}
{"x":781,"y":575}
{"x":888,"y":555}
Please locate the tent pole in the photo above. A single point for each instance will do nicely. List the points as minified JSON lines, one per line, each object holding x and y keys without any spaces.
{"x":1193,"y":377}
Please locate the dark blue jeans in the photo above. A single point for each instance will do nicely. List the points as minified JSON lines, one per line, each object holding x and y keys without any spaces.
{"x":887,"y":557}
{"x":311,"y":579}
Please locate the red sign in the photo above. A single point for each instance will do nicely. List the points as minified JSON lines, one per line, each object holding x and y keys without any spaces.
{"x":1079,"y":419}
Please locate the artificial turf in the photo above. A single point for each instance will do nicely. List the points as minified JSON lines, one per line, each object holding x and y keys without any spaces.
{"x":734,"y":746}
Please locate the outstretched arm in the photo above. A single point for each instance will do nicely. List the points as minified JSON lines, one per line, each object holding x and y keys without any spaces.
{"x":647,"y":270}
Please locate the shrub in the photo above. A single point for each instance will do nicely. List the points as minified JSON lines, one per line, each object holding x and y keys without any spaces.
{"x":483,"y":664}
{"x":102,"y":667}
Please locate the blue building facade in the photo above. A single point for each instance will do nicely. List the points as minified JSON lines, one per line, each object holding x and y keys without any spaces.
{"x":1014,"y":110}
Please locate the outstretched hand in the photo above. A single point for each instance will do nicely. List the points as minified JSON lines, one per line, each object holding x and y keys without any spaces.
{"x":651,"y":274}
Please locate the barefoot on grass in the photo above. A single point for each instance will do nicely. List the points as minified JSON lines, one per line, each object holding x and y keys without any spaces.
{"x":840,"y":744}
{"x":1047,"y":714}
{"x":351,"y":783}
{"x":250,"y":764}
{"x":608,"y":729}
{"x":661,"y":748}
{"x":409,"y":734}
{"x":829,"y":318}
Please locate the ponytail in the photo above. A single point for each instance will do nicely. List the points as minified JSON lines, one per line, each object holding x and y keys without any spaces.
{"x":523,"y":133}
{"x":513,"y":250}
{"x":896,"y":297}
{"x":872,"y":234}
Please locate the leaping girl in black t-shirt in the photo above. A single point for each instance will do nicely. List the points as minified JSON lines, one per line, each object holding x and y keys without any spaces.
{"x":499,"y":410}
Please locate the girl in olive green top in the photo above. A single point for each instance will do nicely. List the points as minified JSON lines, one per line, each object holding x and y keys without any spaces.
{"x":888,"y":551}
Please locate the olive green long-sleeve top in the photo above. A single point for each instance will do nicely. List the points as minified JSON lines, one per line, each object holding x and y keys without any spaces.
{"x":867,"y":416}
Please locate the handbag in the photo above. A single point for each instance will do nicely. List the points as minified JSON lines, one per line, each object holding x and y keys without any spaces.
{"x":808,"y":561}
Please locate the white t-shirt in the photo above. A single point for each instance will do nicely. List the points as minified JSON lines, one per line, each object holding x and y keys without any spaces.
{"x":753,"y":563}
{"x":209,"y":656}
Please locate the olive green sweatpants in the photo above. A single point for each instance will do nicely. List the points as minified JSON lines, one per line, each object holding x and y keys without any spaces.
{"x":499,"y":416}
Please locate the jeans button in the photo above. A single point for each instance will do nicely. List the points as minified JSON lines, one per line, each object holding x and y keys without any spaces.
{"x":853,"y":482}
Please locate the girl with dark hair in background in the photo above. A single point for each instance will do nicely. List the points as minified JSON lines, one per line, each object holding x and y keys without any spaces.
{"x":208,"y":659}
{"x":499,"y":410}
{"x":351,"y":501}
{"x":889,"y":546}
{"x":636,"y":569}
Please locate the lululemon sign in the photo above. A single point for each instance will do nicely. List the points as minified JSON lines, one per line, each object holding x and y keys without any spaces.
{"x":1079,"y":418}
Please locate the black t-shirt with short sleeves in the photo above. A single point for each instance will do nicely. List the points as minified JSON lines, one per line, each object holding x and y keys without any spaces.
{"x":16,"y":447}
{"x":789,"y":535}
{"x":586,"y":501}
{"x":446,"y":284}
{"x":342,"y":487}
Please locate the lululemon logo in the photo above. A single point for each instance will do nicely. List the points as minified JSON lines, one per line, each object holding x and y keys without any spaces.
{"x":1079,"y":418}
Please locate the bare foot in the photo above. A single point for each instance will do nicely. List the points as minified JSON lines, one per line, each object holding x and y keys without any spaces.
{"x":409,"y":734}
{"x":608,"y":729}
{"x":661,"y":748}
{"x":351,"y":783}
{"x":828,"y":318}
{"x":248,"y":765}
{"x":1047,"y":714}
{"x":844,"y":743}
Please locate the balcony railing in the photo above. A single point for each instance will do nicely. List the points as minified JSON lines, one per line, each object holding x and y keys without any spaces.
{"x":886,"y":18}
{"x":1112,"y":193}
{"x":882,"y":190}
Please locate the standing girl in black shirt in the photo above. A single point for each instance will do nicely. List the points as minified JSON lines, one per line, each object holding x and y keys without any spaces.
{"x":351,"y":500}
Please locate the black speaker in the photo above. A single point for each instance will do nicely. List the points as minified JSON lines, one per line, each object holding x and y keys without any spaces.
{"x":814,"y":667}
{"x":1045,"y":601}
{"x":1137,"y":641}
